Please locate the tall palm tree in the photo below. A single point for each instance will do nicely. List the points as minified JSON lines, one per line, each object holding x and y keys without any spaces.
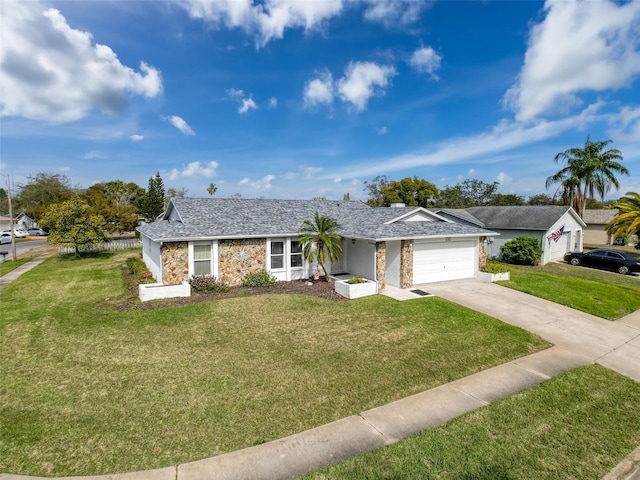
{"x":594,"y":168}
{"x":320,"y":239}
{"x":628,"y":218}
{"x":569,"y":189}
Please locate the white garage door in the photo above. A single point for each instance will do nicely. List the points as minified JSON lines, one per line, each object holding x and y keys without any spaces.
{"x":559,"y":248}
{"x":437,"y":262}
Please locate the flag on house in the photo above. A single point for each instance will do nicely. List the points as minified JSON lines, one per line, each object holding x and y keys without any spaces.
{"x":555,"y":236}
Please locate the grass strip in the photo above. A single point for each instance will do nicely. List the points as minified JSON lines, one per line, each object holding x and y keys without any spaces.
{"x":87,"y":391}
{"x":9,"y":265}
{"x":575,"y":426}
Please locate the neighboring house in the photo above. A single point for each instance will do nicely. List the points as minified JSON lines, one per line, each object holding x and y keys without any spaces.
{"x":22,"y":221}
{"x":596,"y":220}
{"x":558,"y":228}
{"x":229,"y":238}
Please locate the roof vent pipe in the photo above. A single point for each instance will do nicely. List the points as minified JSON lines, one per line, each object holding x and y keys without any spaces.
{"x":397,"y":205}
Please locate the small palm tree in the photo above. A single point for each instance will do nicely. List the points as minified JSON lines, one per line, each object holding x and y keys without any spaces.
{"x":212,"y":189}
{"x":321,"y":240}
{"x":627,"y":221}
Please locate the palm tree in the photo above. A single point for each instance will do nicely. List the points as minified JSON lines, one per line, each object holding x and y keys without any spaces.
{"x":569,"y":189}
{"x":594,"y":169}
{"x":212,"y":189}
{"x":320,"y":239}
{"x":627,"y":221}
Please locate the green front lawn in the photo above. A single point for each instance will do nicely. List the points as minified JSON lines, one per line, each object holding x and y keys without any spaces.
{"x":578,"y":425}
{"x":87,"y":390}
{"x":604,"y":294}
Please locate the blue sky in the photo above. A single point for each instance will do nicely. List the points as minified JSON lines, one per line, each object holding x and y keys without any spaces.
{"x":303,"y":98}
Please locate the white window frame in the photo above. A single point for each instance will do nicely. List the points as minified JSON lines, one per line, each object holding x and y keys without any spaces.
{"x":285,"y":273}
{"x":213,"y":259}
{"x":270,"y":256}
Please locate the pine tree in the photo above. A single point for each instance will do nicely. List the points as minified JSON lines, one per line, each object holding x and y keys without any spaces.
{"x":153,"y":204}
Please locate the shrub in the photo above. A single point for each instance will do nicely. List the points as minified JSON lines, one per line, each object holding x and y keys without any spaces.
{"x":355,"y":279}
{"x":494,"y":266}
{"x":207,"y":283}
{"x":523,"y":250}
{"x":261,"y":278}
{"x":136,"y":267}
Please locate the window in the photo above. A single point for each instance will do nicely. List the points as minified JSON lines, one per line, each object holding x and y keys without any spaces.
{"x":277,"y":255}
{"x":201,"y":259}
{"x":296,"y":254}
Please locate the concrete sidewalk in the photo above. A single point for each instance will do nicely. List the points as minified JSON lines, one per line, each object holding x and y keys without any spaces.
{"x":578,"y":339}
{"x":25,"y":267}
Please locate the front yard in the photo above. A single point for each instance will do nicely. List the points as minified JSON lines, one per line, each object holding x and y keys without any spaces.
{"x":89,"y":389}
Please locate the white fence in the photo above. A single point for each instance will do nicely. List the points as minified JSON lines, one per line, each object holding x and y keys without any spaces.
{"x":112,"y":246}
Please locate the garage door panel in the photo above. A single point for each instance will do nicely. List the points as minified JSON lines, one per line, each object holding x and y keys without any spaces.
{"x":441,"y":261}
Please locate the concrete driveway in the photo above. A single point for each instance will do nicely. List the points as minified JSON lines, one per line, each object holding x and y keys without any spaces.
{"x":615,"y":345}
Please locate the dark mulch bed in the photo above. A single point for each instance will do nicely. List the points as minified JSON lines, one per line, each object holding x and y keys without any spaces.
{"x":316,"y":288}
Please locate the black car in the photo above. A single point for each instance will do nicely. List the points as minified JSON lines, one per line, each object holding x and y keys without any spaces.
{"x":620,"y":262}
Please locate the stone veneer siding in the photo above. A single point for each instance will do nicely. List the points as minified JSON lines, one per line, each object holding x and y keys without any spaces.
{"x":175,"y":262}
{"x":381,"y":260}
{"x":236,"y":258}
{"x":406,"y":263}
{"x":482,"y":252}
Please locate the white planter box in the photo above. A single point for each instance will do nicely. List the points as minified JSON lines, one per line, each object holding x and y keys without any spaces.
{"x":492,"y":277}
{"x":356,"y":290}
{"x":157,"y":291}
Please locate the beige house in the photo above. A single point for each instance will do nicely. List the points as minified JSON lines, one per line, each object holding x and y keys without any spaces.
{"x":596,"y":220}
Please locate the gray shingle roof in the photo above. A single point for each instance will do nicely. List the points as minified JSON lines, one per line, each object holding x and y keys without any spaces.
{"x":599,"y":216}
{"x":519,"y":217}
{"x":209,"y":218}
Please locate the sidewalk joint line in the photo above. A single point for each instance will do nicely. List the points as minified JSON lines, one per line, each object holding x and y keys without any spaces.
{"x":386,"y":439}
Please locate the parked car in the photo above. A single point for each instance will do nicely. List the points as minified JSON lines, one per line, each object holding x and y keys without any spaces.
{"x":5,"y":237}
{"x":37,"y":232}
{"x":20,"y":233}
{"x":605,"y":259}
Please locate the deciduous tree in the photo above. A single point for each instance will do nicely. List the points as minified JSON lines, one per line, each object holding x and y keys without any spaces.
{"x":470,"y":193}
{"x":41,"y":191}
{"x":74,"y":224}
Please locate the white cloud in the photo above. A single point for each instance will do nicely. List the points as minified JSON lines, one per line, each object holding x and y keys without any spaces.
{"x":180,"y":124}
{"x":426,"y":60}
{"x":289,"y":176}
{"x":265,"y":20}
{"x":272,"y":103}
{"x":94,"y":154}
{"x":194,"y":169}
{"x":471,"y":172}
{"x":136,"y":137}
{"x":502,"y":178}
{"x":53,"y":72}
{"x":579,"y":46}
{"x":311,"y":172}
{"x":361,"y":81}
{"x":264,"y":183}
{"x":393,"y":12}
{"x":319,"y":91}
{"x":238,"y":96}
{"x":244,"y":181}
{"x":382,"y":130}
{"x":625,"y":126}
{"x":503,"y":137}
{"x":337,"y":180}
{"x":247,"y":104}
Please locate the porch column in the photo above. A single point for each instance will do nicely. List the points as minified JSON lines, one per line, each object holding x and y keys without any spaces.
{"x":381,"y":262}
{"x":406,"y":263}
